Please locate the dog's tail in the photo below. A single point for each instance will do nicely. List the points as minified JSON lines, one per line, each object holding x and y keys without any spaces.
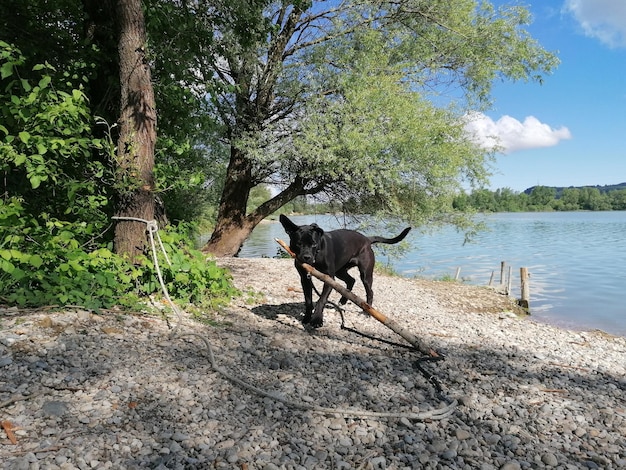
{"x":390,"y":241}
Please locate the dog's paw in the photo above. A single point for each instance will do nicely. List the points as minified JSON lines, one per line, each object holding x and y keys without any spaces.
{"x":312,"y":324}
{"x":316,"y":322}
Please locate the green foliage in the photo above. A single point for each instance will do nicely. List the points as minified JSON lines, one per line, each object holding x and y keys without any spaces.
{"x":54,"y":211}
{"x":190,"y":158}
{"x":542,"y":198}
{"x":385,"y":269}
{"x":43,"y":264}
{"x":446,"y":278}
{"x":46,"y":143}
{"x":377,"y":145}
{"x":191,"y":278}
{"x":258,"y":196}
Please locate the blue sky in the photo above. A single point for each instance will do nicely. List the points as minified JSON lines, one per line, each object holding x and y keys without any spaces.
{"x":571,"y":130}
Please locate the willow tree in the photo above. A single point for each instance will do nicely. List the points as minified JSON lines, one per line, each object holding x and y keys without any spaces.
{"x":344,"y":99}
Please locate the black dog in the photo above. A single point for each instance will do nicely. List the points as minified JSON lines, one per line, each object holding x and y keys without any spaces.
{"x":332,"y":253}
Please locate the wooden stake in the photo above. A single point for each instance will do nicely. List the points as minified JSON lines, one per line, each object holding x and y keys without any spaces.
{"x":388,"y":322}
{"x":525,"y":300}
{"x":509,"y":281}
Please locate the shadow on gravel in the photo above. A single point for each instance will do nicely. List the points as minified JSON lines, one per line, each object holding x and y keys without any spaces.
{"x":271,"y":312}
{"x":146,"y":401}
{"x":516,"y":406}
{"x":519,"y":404}
{"x":296,"y":311}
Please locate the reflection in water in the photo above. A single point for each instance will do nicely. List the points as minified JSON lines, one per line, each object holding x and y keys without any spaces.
{"x":575,"y":260}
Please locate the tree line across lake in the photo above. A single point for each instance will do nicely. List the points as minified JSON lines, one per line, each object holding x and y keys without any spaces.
{"x":545,"y":198}
{"x":535,"y":199}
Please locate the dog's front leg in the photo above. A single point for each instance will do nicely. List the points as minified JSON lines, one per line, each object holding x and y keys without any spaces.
{"x":307,"y":289}
{"x":317,"y":320}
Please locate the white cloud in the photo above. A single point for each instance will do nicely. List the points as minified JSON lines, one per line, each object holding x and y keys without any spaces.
{"x":601,"y":19}
{"x":510,"y":135}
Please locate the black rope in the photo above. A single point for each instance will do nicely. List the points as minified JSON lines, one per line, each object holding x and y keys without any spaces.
{"x":418,"y":364}
{"x":368,"y":336}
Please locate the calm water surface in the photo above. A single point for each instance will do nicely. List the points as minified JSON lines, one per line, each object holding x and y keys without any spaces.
{"x":576,"y":260}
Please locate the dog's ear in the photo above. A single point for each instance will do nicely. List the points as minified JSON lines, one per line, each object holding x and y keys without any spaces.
{"x":318,"y":229}
{"x":287,"y":224}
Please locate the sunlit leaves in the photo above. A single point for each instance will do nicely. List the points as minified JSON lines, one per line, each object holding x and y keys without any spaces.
{"x":375,"y":95}
{"x":375,"y":138}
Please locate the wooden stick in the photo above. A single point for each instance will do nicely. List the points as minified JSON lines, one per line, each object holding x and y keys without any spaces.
{"x":17,"y":398}
{"x":8,"y":430}
{"x":388,"y":322}
{"x":509,"y":281}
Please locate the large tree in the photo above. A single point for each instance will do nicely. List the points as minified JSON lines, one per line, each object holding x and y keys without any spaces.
{"x":137,"y":130}
{"x":358,"y":101}
{"x":344,"y":99}
{"x":102,"y":44}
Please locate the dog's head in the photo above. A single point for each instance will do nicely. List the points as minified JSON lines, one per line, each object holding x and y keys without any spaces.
{"x":304,"y":240}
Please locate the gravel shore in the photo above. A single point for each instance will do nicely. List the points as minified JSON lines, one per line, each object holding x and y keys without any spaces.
{"x":79,"y":390}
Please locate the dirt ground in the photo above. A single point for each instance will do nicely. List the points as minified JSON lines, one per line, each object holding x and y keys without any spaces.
{"x":471,"y":298}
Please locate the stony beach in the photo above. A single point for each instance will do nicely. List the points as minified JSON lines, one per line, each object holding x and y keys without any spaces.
{"x":119,"y":391}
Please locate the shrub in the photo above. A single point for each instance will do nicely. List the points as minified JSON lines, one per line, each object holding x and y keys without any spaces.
{"x":55,"y":204}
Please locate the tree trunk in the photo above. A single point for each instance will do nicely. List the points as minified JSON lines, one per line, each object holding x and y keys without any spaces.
{"x":231,"y":238}
{"x":232,"y":228}
{"x":137,"y":127}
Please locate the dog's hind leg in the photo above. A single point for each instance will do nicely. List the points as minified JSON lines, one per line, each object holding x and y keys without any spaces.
{"x":349,"y":280}
{"x":368,"y":280}
{"x":366,"y":269}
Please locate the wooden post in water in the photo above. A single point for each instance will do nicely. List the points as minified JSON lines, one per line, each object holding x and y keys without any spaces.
{"x":525,"y":300}
{"x":491,"y":279}
{"x":458,"y":273}
{"x":502,"y":265}
{"x":510,"y":280}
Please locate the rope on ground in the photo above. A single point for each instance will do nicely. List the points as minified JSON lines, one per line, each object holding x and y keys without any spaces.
{"x":152,"y":229}
{"x":435,"y":414}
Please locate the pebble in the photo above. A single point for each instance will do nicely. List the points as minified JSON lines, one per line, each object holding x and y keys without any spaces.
{"x":5,"y":361}
{"x":115,"y":391}
{"x":550,"y":460}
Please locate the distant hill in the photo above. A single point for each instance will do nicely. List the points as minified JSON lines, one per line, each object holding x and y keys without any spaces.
{"x":607,"y":188}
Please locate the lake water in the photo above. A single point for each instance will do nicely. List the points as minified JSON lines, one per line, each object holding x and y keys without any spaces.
{"x":576,"y":260}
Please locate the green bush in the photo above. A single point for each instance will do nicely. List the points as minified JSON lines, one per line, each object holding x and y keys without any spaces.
{"x":191,"y":278}
{"x":55,"y":244}
{"x":42,"y":263}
